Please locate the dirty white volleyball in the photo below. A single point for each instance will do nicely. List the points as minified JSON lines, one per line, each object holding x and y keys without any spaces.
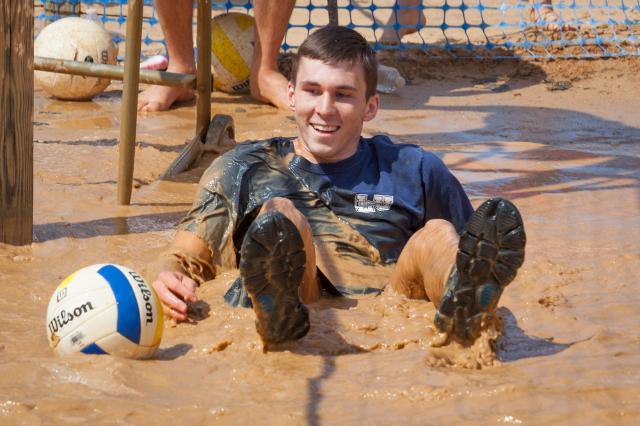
{"x":74,"y":39}
{"x":105,"y":309}
{"x":232,"y":41}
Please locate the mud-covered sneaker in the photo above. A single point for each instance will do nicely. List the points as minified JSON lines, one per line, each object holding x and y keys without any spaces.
{"x":272,"y":263}
{"x":490,"y":251}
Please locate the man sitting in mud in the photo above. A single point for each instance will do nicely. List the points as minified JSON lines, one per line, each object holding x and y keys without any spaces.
{"x":333,"y":212}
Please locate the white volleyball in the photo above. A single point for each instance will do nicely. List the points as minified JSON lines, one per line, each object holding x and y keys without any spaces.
{"x":74,"y":39}
{"x":105,"y":309}
{"x":232,"y":40}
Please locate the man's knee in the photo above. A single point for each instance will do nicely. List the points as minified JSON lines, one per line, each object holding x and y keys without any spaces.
{"x":278,"y":203}
{"x":440,"y":226}
{"x":434,"y":233}
{"x":287,"y":208}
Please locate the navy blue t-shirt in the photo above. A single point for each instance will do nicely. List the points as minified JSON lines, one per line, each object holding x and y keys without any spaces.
{"x":387,"y":191}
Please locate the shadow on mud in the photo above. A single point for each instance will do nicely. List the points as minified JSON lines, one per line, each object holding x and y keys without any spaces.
{"x":172,"y":352}
{"x":515,"y":345}
{"x":108,"y":143}
{"x":325,"y":341}
{"x":107,"y":226}
{"x":584,"y":171}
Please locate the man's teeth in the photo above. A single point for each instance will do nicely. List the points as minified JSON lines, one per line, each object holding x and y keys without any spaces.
{"x":324,"y":128}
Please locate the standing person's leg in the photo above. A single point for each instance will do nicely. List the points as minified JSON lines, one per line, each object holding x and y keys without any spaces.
{"x":464,"y":277}
{"x":410,"y":16}
{"x":267,"y":84}
{"x":543,"y":15}
{"x":176,"y":17}
{"x":278,"y":269}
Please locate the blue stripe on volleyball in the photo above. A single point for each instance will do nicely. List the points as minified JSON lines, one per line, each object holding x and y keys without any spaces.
{"x":93,"y":349}
{"x":128,"y":313}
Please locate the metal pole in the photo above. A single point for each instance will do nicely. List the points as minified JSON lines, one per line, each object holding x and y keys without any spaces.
{"x":129,"y":108}
{"x":203,"y":72}
{"x":113,"y":72}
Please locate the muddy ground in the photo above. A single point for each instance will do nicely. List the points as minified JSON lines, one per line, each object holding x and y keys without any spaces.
{"x":561,"y":139}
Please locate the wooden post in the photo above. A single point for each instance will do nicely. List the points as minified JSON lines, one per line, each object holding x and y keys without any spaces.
{"x":129,"y":107}
{"x":332,"y":10}
{"x":203,"y":70}
{"x":16,"y":122}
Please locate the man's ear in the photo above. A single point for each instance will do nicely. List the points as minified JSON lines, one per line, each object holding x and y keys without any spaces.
{"x":290,"y":96}
{"x":372,"y":107}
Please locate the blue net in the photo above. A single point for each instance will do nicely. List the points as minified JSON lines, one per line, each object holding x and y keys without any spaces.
{"x":440,"y":28}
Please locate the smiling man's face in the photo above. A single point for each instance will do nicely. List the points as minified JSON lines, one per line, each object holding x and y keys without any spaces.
{"x":330,"y":106}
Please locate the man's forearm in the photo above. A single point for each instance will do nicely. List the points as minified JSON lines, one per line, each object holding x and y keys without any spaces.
{"x":188,"y":254}
{"x":196,"y":268}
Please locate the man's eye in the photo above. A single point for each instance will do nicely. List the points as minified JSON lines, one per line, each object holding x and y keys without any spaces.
{"x":312,"y":91}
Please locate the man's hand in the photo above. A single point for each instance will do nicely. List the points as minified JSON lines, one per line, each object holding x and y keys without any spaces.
{"x":174,"y":290}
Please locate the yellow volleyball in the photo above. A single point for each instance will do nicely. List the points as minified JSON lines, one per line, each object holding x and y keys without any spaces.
{"x":232,"y":41}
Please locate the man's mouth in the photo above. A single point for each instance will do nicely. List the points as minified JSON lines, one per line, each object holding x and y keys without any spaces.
{"x":324,"y":128}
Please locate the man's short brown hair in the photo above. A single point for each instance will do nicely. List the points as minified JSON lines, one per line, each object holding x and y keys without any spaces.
{"x":333,"y":44}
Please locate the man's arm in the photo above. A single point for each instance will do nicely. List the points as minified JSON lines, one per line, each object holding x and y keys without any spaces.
{"x":202,"y":235}
{"x":173,"y":284}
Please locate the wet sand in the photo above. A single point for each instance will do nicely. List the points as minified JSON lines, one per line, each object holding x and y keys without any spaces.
{"x":570,"y":347}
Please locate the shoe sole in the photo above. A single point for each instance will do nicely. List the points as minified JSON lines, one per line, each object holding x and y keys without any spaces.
{"x":272,"y":264}
{"x":490,"y":251}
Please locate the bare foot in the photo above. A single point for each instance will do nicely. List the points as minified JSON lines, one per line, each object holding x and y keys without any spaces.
{"x":160,"y":98}
{"x":405,"y":17}
{"x":543,"y":16}
{"x":271,"y":87}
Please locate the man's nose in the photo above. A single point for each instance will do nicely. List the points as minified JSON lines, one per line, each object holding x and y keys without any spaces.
{"x":326,"y":104}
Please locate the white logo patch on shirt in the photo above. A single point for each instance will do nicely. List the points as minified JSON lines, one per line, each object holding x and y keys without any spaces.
{"x":378,"y":204}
